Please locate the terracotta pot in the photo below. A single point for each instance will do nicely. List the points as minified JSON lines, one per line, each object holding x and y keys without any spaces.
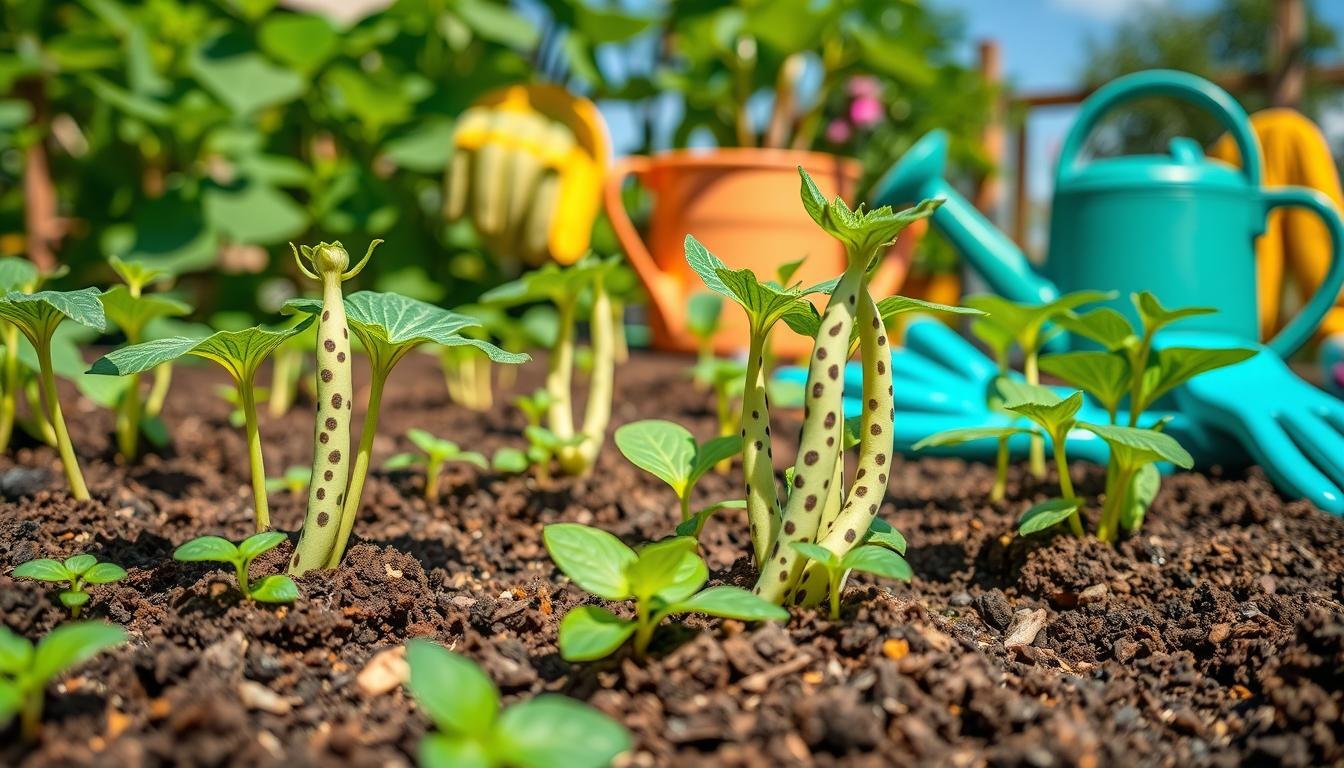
{"x":743,"y":204}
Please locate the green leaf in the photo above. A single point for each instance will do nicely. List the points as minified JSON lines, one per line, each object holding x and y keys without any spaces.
{"x":551,"y":282}
{"x":426,"y":148}
{"x":104,"y":573}
{"x":879,"y":561}
{"x":440,"y":750}
{"x":1005,"y":390}
{"x":731,"y":603}
{"x":71,"y":644}
{"x":588,"y":633}
{"x":456,"y":695}
{"x":207,"y":549}
{"x":497,"y":23}
{"x":603,"y":25}
{"x":821,"y":555}
{"x":258,"y":543}
{"x":998,"y":338}
{"x":38,"y":314}
{"x":970,"y":434}
{"x":553,"y":730}
{"x":1026,"y":323}
{"x":16,"y":653}
{"x":894,"y":306}
{"x":668,"y":564}
{"x":1105,"y":326}
{"x":882,"y":534}
{"x":1154,"y":316}
{"x":1133,"y":447}
{"x":1046,"y":515}
{"x":240,"y":352}
{"x":1055,"y":418}
{"x":72,"y":599}
{"x":254,"y":213}
{"x":390,"y":325}
{"x":511,"y":461}
{"x":1142,"y":491}
{"x":408,"y":460}
{"x":428,"y":442}
{"x":1177,"y":365}
{"x":303,"y":42}
{"x":1104,"y":375}
{"x":132,"y":313}
{"x":43,"y":569}
{"x":246,"y":82}
{"x":276,"y":588}
{"x":764,"y":303}
{"x":662,"y":448}
{"x":693,"y":525}
{"x":593,"y":559}
{"x":711,"y":453}
{"x":16,"y":273}
{"x":703,"y":311}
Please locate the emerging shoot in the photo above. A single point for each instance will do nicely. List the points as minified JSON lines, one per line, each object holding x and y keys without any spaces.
{"x":433,"y":456}
{"x":76,"y":572}
{"x":25,"y":671}
{"x":276,"y":588}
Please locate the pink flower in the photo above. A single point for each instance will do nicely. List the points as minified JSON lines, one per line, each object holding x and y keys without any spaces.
{"x":838,"y":132}
{"x":865,"y":111}
{"x":863,"y":85}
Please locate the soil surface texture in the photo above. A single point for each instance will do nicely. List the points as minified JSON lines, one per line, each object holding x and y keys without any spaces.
{"x":1214,"y":637}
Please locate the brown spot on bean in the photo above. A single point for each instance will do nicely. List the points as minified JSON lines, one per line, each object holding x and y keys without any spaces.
{"x":833,"y":372}
{"x":881,"y":459}
{"x":830,"y":441}
{"x":327,"y":475}
{"x":329,"y":345}
{"x":801,"y":598}
{"x":340,"y":357}
{"x":321,"y":493}
{"x":331,"y":422}
{"x":345,"y":332}
{"x":881,"y":367}
{"x":881,"y":340}
{"x":817,"y":389}
{"x":859,"y":475}
{"x":872,"y":403}
{"x":835,"y":329}
{"x":322,"y":519}
{"x":334,"y":457}
{"x":797,"y":481}
{"x":340,"y":499}
{"x":789,"y":528}
{"x":783,"y":576}
{"x":755,"y":414}
{"x":882,"y":478}
{"x":876,"y":429}
{"x":810,"y":458}
{"x":850,"y":535}
{"x":830,"y":420}
{"x":821,"y":353}
{"x":810,"y":503}
{"x":322,"y":437}
{"x":759,"y":445}
{"x":861,"y":491}
{"x":326,"y":314}
{"x":336,"y":400}
{"x":326,"y":375}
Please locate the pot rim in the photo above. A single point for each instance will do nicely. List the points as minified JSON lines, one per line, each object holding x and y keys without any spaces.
{"x":756,"y":157}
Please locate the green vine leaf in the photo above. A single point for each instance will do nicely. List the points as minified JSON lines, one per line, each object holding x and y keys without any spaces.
{"x":239,"y":352}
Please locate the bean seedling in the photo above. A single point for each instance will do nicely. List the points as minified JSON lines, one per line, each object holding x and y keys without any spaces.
{"x":37,"y":315}
{"x":435,"y":453}
{"x":25,"y":671}
{"x":472,"y":731}
{"x":664,"y":579}
{"x":669,"y":452}
{"x":78,"y":572}
{"x":276,"y":588}
{"x":389,"y":326}
{"x":294,"y":481}
{"x":865,"y":558}
{"x":241,"y":354}
{"x":703,"y":312}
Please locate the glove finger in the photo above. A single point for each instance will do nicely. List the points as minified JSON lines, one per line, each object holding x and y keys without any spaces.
{"x":949,"y":349}
{"x":537,"y":229}
{"x":457,"y":183}
{"x":1291,"y":471}
{"x":1321,"y":443}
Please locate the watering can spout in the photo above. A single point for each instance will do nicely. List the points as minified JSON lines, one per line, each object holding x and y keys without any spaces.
{"x":919,"y":174}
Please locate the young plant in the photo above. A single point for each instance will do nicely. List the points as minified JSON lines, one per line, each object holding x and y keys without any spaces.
{"x":765,"y":303}
{"x":389,"y":327}
{"x":544,"y":446}
{"x":295,"y":481}
{"x":567,"y":288}
{"x":703,"y":313}
{"x":1132,"y":449}
{"x":1031,"y":327}
{"x":726,"y":378}
{"x":329,"y":264}
{"x":1056,"y":417}
{"x":434,"y":455}
{"x":287,"y":368}
{"x":77,"y":572}
{"x":25,"y":671}
{"x":669,"y":452}
{"x":876,"y":559}
{"x":534,"y":406}
{"x":36,"y":316}
{"x":471,"y":730}
{"x":664,"y":579}
{"x":276,"y":588}
{"x":132,"y":311}
{"x":16,"y":274}
{"x":1000,"y":343}
{"x":240,"y":353}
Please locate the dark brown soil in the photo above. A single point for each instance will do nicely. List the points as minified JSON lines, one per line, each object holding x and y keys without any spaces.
{"x":1216,"y":637}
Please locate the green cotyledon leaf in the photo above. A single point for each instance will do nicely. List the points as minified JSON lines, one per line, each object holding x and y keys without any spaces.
{"x":239,"y":352}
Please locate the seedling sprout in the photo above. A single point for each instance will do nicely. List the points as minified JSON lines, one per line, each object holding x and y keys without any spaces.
{"x":77,"y":572}
{"x":276,"y":588}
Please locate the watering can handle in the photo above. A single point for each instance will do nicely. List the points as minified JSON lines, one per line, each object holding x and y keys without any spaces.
{"x":1300,"y":328}
{"x":662,"y":292}
{"x":1163,"y":82}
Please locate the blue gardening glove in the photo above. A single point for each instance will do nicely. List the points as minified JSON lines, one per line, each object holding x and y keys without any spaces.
{"x":1291,"y":428}
{"x":1331,"y":358}
{"x":942,"y":381}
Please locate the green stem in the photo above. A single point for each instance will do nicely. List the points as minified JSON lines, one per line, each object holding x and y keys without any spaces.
{"x":686,"y":506}
{"x":432,"y":470}
{"x":128,"y":420}
{"x":284,"y":381}
{"x":30,"y":717}
{"x":158,"y":390}
{"x":560,"y":374}
{"x":834,"y":591}
{"x":758,"y":466}
{"x":1137,"y":364}
{"x":260,"y":504}
{"x":577,"y":460}
{"x":1000,"y":489}
{"x":9,"y":391}
{"x":1036,"y":458}
{"x":1117,"y":493}
{"x":244,"y":580}
{"x":355,"y":491}
{"x":53,"y":410}
{"x":644,"y":627}
{"x":1066,"y":482}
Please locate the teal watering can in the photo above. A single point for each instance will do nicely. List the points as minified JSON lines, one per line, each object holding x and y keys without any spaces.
{"x":1180,"y":225}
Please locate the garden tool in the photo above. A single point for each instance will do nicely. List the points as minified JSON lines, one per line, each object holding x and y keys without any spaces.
{"x":1182,"y":227}
{"x":1295,"y":245}
{"x":527,"y":169}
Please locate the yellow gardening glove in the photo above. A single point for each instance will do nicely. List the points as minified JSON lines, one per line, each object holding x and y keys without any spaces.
{"x":527,"y":169}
